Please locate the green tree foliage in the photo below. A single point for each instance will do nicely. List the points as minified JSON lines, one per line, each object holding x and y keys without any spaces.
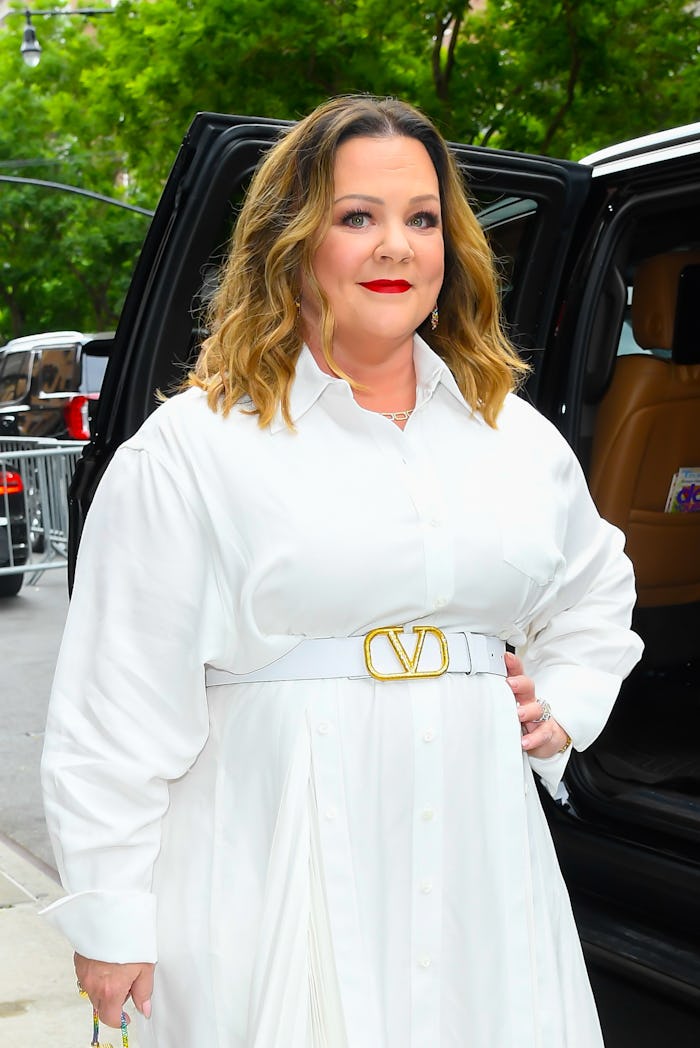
{"x":65,"y":259}
{"x":166,"y":60}
{"x":565,"y":77}
{"x":107,"y":107}
{"x":559,"y":77}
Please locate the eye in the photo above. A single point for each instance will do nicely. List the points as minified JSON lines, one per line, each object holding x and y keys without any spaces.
{"x":356,"y":219}
{"x":425,"y":220}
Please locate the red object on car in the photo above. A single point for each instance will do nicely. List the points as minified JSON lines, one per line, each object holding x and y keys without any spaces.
{"x":76,"y":416}
{"x":10,"y":482}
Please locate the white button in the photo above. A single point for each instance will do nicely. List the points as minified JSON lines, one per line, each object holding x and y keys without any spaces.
{"x":428,"y":735}
{"x":441,"y":602}
{"x":426,"y":887}
{"x":323,"y":727}
{"x":427,"y":814}
{"x":331,"y":813}
{"x":435,"y":522}
{"x":425,"y":961}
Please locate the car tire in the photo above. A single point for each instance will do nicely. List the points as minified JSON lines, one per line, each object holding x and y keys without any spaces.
{"x":10,"y":585}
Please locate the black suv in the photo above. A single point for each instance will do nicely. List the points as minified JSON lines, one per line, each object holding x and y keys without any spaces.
{"x":50,"y":382}
{"x":600,"y":262}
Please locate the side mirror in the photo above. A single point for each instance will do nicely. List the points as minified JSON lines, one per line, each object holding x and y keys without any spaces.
{"x":99,"y":346}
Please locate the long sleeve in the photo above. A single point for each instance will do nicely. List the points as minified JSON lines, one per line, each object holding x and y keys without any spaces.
{"x":128,"y":709}
{"x":579,"y":645}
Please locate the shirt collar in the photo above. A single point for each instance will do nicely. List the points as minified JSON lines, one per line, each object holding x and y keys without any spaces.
{"x":310,"y":382}
{"x":308,"y":385}
{"x":432,"y":371}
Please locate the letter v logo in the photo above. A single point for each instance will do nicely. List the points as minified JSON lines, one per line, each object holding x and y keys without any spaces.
{"x":408,"y":663}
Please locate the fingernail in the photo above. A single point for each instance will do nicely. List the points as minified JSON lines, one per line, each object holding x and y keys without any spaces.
{"x":147,"y":1009}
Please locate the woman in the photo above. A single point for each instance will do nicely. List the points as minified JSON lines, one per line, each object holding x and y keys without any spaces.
{"x":325,"y":829}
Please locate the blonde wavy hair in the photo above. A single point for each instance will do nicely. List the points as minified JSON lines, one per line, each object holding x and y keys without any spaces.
{"x":253,"y":317}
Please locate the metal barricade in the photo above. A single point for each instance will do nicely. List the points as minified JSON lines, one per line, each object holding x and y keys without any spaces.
{"x":34,"y":478}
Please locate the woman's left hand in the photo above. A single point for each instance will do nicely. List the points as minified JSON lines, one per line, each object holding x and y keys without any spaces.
{"x":541,"y":738}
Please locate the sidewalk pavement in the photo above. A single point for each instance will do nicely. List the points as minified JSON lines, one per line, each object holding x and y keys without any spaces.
{"x":39,"y":1002}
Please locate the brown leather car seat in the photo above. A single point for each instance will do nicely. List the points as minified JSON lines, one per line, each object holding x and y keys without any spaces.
{"x":648,"y":426}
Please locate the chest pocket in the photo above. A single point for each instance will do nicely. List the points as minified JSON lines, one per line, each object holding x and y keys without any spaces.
{"x":528,"y":541}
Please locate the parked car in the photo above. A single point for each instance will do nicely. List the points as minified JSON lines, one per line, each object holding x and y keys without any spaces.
{"x":14,"y":544}
{"x":598,"y":257}
{"x":50,"y":382}
{"x":49,"y":386}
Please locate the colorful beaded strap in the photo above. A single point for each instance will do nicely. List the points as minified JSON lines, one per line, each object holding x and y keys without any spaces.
{"x":95,"y":1042}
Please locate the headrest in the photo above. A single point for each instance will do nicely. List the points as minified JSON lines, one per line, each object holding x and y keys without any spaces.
{"x":686,"y":334}
{"x":655,"y":297}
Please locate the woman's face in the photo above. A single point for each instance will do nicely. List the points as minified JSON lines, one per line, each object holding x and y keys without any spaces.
{"x":381,"y":263}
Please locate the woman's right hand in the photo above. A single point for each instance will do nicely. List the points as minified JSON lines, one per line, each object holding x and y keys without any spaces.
{"x":109,"y":985}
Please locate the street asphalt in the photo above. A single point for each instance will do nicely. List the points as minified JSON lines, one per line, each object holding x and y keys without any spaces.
{"x":31,"y":625}
{"x":39,"y":1003}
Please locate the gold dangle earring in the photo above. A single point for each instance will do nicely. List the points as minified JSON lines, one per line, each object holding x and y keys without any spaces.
{"x":434,"y":318}
{"x":297,"y":303}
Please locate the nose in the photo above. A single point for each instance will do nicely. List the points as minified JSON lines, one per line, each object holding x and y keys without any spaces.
{"x":395,"y":245}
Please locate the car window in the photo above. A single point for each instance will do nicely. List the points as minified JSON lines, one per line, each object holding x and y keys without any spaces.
{"x":628,"y":345}
{"x":57,"y":372}
{"x":93,"y":369}
{"x":14,"y":376}
{"x":508,"y":222}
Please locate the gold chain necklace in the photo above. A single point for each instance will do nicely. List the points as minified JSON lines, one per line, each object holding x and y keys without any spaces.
{"x":397,"y":416}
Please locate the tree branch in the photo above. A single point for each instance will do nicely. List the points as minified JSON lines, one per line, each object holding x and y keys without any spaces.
{"x":574,"y":71}
{"x":442,"y":72}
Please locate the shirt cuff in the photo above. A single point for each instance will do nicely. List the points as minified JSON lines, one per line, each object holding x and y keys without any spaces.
{"x":117,"y":927}
{"x":551,"y":769}
{"x":580,"y":699}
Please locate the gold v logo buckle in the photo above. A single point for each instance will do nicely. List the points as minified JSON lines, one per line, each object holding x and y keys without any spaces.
{"x":409,"y":664}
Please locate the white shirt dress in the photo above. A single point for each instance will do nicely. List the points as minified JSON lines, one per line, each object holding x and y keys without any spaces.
{"x":342,"y":863}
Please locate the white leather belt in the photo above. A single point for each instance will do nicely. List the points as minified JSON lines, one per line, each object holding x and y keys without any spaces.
{"x":388,"y":653}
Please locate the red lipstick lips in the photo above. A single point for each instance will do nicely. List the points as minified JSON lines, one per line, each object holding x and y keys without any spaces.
{"x":387,"y":287}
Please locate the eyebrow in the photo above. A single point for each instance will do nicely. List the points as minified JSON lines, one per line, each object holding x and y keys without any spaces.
{"x":378,"y":200}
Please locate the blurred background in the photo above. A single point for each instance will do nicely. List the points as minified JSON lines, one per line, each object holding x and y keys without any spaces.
{"x":107,"y":101}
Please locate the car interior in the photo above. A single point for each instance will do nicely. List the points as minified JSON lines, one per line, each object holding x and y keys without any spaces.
{"x":638,"y":428}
